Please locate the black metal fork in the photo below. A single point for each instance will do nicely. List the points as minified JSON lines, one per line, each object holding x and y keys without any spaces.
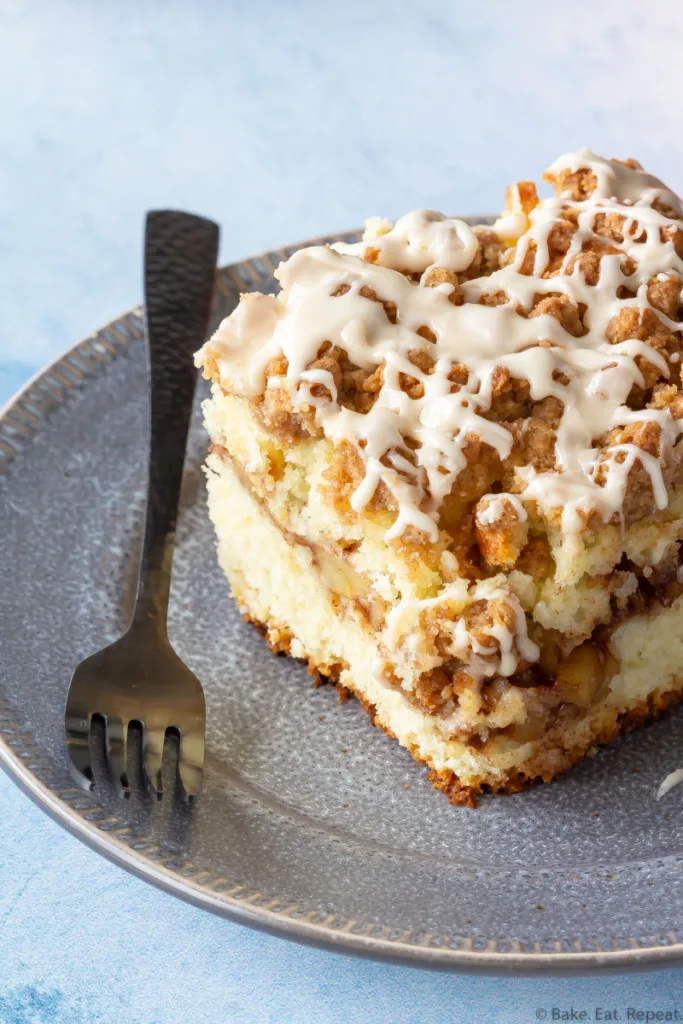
{"x":139,"y":678}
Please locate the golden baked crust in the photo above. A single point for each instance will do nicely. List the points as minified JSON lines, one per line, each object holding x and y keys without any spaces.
{"x":547,"y":763}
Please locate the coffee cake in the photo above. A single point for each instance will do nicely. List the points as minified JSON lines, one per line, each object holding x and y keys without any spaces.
{"x":446,"y":471}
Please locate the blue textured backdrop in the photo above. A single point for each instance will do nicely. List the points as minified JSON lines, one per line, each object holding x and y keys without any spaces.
{"x":281,"y":121}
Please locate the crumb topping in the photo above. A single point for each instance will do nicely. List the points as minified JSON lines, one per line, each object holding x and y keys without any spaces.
{"x":483,"y":381}
{"x":552,"y":342}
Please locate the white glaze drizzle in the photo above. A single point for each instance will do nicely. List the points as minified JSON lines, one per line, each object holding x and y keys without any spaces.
{"x":417,"y":241}
{"x":601,"y":375}
{"x":482,"y":337}
{"x":483,"y":660}
{"x":673,"y":779}
{"x":511,"y":644}
{"x":494,"y":509}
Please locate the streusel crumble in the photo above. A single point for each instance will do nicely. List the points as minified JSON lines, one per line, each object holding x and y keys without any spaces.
{"x":446,"y":471}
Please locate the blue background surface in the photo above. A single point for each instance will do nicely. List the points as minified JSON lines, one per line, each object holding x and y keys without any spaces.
{"x":281,"y":121}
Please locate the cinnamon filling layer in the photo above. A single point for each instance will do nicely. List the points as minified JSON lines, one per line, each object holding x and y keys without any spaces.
{"x":573,"y":680}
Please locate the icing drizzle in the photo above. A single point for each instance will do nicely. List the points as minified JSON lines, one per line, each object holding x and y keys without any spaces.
{"x":325,"y":298}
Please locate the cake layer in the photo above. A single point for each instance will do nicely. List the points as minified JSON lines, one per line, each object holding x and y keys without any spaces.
{"x":411,"y":600}
{"x":277,"y":586}
{"x":468,"y":441}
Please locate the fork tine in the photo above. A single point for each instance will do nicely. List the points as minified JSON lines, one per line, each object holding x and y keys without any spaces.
{"x":191,"y":763}
{"x":78,"y":751}
{"x":116,"y":736}
{"x":152,"y":754}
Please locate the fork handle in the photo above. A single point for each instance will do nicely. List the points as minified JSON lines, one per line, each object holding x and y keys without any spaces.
{"x":180,"y":267}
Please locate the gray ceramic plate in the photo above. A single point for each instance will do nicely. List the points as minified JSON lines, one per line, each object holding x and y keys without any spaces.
{"x":312,"y":823}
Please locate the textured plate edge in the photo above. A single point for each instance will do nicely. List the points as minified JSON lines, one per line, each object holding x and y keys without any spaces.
{"x":348,"y":938}
{"x":344,"y":940}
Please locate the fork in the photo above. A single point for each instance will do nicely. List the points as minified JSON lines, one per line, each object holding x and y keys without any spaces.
{"x":140,"y":678}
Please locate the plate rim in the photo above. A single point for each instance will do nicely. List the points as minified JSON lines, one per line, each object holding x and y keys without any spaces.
{"x":96,"y":830}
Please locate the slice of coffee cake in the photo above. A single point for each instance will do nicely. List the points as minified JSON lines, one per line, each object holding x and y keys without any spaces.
{"x":445,"y":470}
